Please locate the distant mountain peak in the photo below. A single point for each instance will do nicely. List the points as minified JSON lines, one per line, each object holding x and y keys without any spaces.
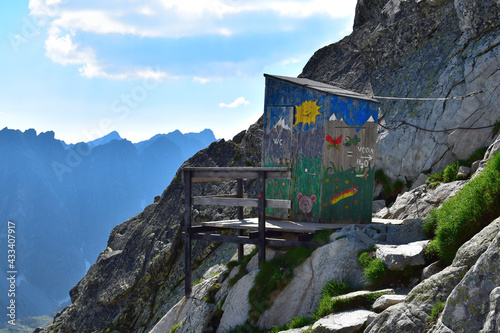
{"x":105,"y":139}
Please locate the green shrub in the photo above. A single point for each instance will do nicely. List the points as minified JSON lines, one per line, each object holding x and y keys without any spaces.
{"x":430,"y":223}
{"x":450,"y":172}
{"x":273,"y":276}
{"x":301,"y":321}
{"x":466,"y":213}
{"x":435,"y":179}
{"x":375,"y":270}
{"x":323,"y":236}
{"x":335,"y":288}
{"x":390,"y":188}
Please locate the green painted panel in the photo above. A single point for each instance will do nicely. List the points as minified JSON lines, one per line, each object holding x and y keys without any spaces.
{"x":346,"y":194}
{"x":306,"y":189}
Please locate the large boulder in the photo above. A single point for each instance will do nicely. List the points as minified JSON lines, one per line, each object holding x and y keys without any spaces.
{"x":335,"y":261}
{"x":193,"y":313}
{"x":472,"y":303}
{"x":417,"y":203}
{"x":385,"y":301}
{"x":236,"y":306}
{"x":343,"y":322}
{"x":398,"y":257}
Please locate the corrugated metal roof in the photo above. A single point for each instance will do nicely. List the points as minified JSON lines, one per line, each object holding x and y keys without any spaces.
{"x":322,"y":87}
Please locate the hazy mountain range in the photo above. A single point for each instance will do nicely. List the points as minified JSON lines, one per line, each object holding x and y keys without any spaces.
{"x":65,"y":200}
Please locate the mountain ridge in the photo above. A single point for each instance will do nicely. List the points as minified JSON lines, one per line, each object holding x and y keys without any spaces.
{"x":74,"y":195}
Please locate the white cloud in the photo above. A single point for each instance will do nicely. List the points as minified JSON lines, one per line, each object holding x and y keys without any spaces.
{"x":179,"y":18}
{"x":201,"y":80}
{"x":237,"y":102}
{"x":61,"y":49}
{"x":68,"y":20}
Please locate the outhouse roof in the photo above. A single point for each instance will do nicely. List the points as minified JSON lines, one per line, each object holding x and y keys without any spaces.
{"x":322,"y":87}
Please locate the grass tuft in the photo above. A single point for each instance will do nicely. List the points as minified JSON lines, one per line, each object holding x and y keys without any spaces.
{"x":466,"y":213}
{"x":175,"y":327}
{"x":243,"y":267}
{"x":323,"y":236}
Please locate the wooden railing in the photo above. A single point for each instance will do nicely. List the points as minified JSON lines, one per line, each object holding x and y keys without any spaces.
{"x":192,"y":175}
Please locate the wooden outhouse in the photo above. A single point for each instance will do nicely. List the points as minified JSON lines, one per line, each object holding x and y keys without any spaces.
{"x":327,"y":135}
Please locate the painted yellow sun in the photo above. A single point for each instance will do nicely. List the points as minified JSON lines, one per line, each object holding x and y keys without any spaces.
{"x":306,"y":112}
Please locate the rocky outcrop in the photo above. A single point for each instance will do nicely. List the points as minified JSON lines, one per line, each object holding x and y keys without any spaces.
{"x":473,"y":303}
{"x":471,"y":278}
{"x":336,"y":261}
{"x":421,"y":49}
{"x":417,"y":203}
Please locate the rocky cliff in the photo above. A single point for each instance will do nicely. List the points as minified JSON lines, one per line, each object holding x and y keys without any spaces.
{"x":421,"y":49}
{"x":139,"y":276}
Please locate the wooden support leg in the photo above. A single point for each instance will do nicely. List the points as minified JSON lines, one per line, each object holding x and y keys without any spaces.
{"x":262,"y":217}
{"x":241,"y":251}
{"x":239,"y":194}
{"x":187,"y":233}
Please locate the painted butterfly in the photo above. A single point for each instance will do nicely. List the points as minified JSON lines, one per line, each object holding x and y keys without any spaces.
{"x":334,"y":143}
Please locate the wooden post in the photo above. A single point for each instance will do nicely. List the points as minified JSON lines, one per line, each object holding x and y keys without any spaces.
{"x":262,"y":217}
{"x":239,"y":194}
{"x":187,"y":233}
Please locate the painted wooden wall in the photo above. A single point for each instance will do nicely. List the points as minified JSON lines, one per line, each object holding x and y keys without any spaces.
{"x":330,"y":142}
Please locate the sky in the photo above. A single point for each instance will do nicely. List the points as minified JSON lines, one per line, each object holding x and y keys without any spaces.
{"x":142,"y":67}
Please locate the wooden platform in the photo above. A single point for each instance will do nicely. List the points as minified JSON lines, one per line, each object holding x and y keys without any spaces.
{"x":261,"y":230}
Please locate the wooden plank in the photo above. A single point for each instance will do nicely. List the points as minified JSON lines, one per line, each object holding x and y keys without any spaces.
{"x":212,"y":174}
{"x":204,"y":228}
{"x":225,"y":238}
{"x":231,"y":202}
{"x":245,"y":240}
{"x":239,"y":202}
{"x":237,"y":169}
{"x":285,"y":226}
{"x":290,"y":243}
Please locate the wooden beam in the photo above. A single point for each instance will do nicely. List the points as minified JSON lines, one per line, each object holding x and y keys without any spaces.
{"x":239,"y":194}
{"x":262,"y":217}
{"x":239,"y":202}
{"x":187,"y":233}
{"x":224,"y":238}
{"x":290,"y":243}
{"x":213,"y":174}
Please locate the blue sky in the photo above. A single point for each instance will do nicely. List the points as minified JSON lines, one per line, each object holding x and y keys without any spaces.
{"x":143,"y":67}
